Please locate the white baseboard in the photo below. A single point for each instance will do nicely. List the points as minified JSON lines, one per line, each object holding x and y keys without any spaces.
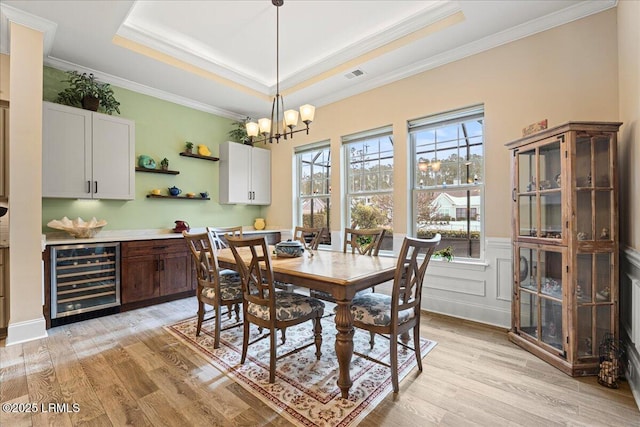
{"x":18,"y":333}
{"x":494,"y":316}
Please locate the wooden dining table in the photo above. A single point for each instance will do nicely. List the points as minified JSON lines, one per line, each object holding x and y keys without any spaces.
{"x":341,"y":275}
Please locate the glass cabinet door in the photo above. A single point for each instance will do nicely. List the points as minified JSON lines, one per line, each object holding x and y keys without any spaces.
{"x":594,"y":187}
{"x":594,"y":301}
{"x":540,"y":294}
{"x":526,"y":189}
{"x":539,"y":194}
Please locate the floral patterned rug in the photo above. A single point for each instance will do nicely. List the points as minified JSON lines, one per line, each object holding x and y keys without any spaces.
{"x":305,"y":391}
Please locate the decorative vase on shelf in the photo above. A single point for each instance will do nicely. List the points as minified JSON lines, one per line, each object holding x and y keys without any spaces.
{"x":259,"y":224}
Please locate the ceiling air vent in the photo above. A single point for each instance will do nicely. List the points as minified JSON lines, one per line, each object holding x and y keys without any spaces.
{"x":354,"y":73}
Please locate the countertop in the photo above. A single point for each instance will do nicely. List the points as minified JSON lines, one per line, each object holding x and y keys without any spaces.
{"x":62,"y":238}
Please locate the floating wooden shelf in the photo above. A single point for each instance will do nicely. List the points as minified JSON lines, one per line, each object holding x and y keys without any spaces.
{"x":168,"y":172}
{"x":198,"y":156}
{"x":159,"y":196}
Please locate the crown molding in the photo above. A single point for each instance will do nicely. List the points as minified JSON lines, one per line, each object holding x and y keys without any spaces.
{"x":565,"y":16}
{"x":199,"y":59}
{"x":10,"y":14}
{"x":429,"y":16}
{"x":143,"y":89}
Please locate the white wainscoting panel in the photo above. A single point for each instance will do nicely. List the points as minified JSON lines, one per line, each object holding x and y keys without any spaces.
{"x":630,"y":316}
{"x":504,"y":278}
{"x":456,"y":285}
{"x":478,"y":291}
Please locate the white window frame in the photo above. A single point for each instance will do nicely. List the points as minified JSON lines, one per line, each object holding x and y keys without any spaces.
{"x":347,"y":142}
{"x":441,"y":120}
{"x":298,"y":152}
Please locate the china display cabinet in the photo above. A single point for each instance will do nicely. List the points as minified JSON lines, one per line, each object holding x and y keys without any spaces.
{"x":565,"y":242}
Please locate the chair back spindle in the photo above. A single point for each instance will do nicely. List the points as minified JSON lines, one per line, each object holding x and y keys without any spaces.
{"x":365,"y":241}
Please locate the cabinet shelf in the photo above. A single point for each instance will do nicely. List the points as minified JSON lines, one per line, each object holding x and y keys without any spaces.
{"x":160,"y":196}
{"x":198,"y":156}
{"x":166,"y":172}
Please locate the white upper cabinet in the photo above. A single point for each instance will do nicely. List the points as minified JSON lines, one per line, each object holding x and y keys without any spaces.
{"x":245,"y":174}
{"x":86,"y":155}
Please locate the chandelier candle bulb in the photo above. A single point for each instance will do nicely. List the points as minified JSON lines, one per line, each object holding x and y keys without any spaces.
{"x":265,"y":126}
{"x":252,"y":129}
{"x":307,"y":112}
{"x":291,"y":118}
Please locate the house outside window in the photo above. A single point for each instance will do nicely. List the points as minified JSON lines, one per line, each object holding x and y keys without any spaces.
{"x":314,"y":187}
{"x":369,"y":181}
{"x":448,"y":179}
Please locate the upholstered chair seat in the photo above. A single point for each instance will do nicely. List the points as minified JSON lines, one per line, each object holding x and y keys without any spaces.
{"x":375,"y":309}
{"x":289,"y":306}
{"x":229,"y":291}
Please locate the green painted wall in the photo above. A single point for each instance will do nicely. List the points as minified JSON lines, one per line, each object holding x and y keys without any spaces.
{"x":161,"y":131}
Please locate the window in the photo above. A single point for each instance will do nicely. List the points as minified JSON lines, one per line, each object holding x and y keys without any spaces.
{"x":369,"y":179}
{"x":314,"y":184}
{"x":448,"y":178}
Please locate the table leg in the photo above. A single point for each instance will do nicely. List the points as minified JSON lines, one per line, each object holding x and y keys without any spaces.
{"x":344,"y":345}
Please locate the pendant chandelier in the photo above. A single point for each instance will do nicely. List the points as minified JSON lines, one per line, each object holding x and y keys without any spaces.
{"x":282,"y":122}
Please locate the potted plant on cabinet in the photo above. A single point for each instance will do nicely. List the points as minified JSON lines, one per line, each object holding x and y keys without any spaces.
{"x":164,"y":164}
{"x":86,"y":92}
{"x":239,"y":132}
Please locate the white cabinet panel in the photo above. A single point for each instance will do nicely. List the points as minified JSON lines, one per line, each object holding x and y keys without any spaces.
{"x":245,"y":174}
{"x":66,"y":152}
{"x":86,"y":155}
{"x":113,"y":154}
{"x":261,"y":176}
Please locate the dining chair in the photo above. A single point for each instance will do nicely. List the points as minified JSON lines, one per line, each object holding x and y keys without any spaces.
{"x":267,"y":308}
{"x":220,"y":233}
{"x":216,"y":287}
{"x":310,"y":237}
{"x":394,"y":315}
{"x":361,"y":241}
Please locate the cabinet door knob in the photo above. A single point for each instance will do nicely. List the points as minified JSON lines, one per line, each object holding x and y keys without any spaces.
{"x":88,"y":186}
{"x":95,"y":183}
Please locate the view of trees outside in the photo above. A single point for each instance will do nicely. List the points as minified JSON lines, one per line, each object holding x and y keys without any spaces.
{"x":449,"y":178}
{"x":314,"y":173}
{"x":370,"y":184}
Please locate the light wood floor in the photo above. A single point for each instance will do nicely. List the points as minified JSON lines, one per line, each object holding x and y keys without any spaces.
{"x":125,"y":370}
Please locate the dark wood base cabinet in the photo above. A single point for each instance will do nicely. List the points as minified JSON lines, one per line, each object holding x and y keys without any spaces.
{"x":153,"y":269}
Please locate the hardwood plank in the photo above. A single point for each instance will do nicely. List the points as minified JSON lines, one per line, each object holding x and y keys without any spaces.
{"x":159,"y":411}
{"x":13,"y":379}
{"x":61,"y":351}
{"x":16,"y":419}
{"x":79,"y":391}
{"x":144,"y":356}
{"x":134,"y":378}
{"x":41,"y":377}
{"x":121,"y":408}
{"x":175,"y":389}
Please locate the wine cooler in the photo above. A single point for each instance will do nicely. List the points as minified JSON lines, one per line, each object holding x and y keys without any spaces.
{"x":84,"y":278}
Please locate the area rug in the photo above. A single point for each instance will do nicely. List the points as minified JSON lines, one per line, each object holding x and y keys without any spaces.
{"x":305,"y":391}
